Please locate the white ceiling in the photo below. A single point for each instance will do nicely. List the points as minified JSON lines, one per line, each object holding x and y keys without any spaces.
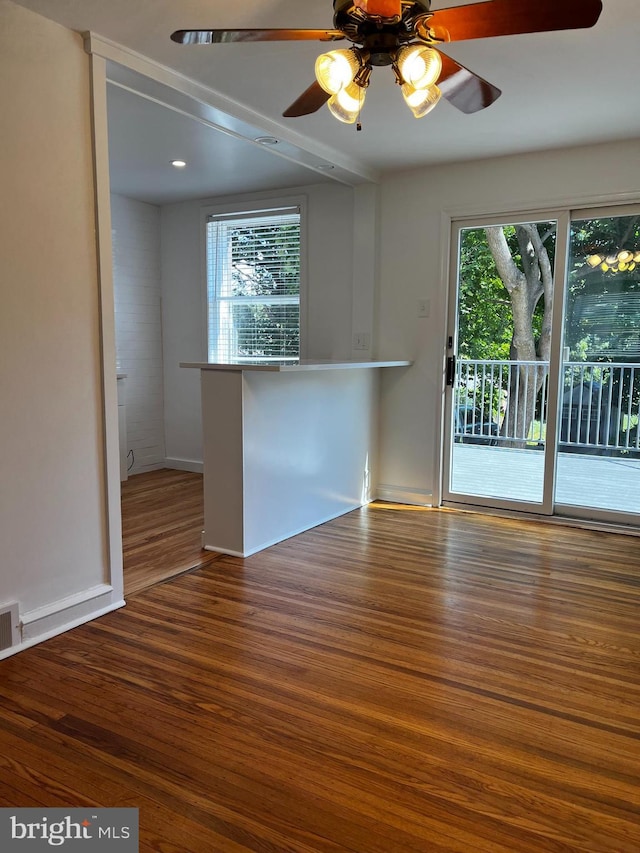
{"x":144,"y":137}
{"x":559,"y":89}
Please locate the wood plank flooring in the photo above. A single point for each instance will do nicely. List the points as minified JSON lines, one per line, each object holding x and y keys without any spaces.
{"x":162,"y":521}
{"x":391,"y":681}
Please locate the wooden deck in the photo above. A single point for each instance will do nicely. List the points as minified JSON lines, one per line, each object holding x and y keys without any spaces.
{"x":599,"y":482}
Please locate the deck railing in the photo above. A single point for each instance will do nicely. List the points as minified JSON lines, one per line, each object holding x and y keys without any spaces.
{"x":505,"y":403}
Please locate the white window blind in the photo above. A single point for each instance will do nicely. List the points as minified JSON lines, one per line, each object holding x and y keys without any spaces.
{"x":253,"y":285}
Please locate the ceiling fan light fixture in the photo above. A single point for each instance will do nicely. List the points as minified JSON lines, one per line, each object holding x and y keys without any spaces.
{"x":419,"y":65}
{"x":335,"y":70}
{"x":346,"y":104}
{"x":380,"y":8}
{"x":625,"y":260}
{"x":421,"y":101}
{"x":405,"y":34}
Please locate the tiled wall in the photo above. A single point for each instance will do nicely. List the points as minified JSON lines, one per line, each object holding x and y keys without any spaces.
{"x":136,"y":280}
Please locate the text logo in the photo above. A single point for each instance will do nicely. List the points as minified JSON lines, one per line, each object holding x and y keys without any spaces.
{"x":86,"y":830}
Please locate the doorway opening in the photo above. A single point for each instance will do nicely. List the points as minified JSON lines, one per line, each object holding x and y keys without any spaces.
{"x":543,"y":370}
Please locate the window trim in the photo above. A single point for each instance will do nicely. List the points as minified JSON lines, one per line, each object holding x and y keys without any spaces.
{"x":252,"y":207}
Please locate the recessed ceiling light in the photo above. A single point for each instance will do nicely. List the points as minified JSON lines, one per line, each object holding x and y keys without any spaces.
{"x":178,"y":164}
{"x":266,"y":140}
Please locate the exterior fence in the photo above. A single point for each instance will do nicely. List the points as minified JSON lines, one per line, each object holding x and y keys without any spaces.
{"x":506,"y":402}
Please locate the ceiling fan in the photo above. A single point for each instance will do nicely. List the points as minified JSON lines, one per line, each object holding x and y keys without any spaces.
{"x":406,"y":35}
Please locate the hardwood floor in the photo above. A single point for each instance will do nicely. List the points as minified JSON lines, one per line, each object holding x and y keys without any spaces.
{"x":162,"y":520}
{"x":394,"y":680}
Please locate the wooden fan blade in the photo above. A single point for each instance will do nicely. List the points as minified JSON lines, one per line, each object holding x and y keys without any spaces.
{"x":464,"y":89}
{"x":512,"y":17}
{"x":309,"y":102}
{"x":223,"y":36}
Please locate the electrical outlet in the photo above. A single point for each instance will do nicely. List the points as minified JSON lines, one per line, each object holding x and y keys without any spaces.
{"x":424,"y":307}
{"x":361,"y":341}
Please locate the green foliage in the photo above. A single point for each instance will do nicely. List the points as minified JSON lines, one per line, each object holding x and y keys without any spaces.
{"x":485,"y":318}
{"x":271,"y":331}
{"x":265,"y":263}
{"x":265,"y":260}
{"x":602,"y":310}
{"x":603,"y":307}
{"x":484,"y":310}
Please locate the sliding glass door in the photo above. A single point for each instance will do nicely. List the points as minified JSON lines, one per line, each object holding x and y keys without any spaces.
{"x":498,"y":363}
{"x":598,"y":463}
{"x":543,"y":365}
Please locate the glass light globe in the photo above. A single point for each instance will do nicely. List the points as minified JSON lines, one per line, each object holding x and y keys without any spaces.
{"x":421,"y":101}
{"x":335,"y":70}
{"x":346,"y":104}
{"x":419,"y":65}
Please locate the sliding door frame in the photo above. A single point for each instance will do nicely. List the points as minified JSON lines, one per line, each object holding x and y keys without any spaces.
{"x":593,"y":514}
{"x":561,"y":218}
{"x":564,"y":214}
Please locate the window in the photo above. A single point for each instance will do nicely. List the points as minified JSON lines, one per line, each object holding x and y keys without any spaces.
{"x":253,"y":285}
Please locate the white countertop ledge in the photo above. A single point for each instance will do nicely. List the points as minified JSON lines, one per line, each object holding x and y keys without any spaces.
{"x":295,"y":366}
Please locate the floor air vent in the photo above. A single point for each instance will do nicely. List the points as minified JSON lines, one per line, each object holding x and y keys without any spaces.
{"x":9,"y":626}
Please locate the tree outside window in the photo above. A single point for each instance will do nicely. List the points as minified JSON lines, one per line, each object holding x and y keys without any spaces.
{"x":253,"y":286}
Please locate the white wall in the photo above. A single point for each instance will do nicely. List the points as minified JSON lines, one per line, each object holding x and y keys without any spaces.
{"x":137,"y":297}
{"x":413,"y":233}
{"x":53,"y":525}
{"x":292,"y":451}
{"x":329,"y":240}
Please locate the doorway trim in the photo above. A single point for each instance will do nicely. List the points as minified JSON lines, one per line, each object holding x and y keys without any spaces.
{"x":98,"y":82}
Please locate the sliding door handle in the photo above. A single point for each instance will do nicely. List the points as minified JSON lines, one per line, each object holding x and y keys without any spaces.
{"x":451,"y":370}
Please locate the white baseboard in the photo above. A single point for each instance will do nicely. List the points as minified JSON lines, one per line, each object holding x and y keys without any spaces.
{"x":283,"y":537}
{"x":144,"y":469}
{"x":402,"y":495}
{"x":46,"y":622}
{"x":226,"y":551}
{"x":185,"y":465}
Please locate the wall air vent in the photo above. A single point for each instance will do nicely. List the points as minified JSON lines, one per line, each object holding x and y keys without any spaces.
{"x":9,"y":626}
